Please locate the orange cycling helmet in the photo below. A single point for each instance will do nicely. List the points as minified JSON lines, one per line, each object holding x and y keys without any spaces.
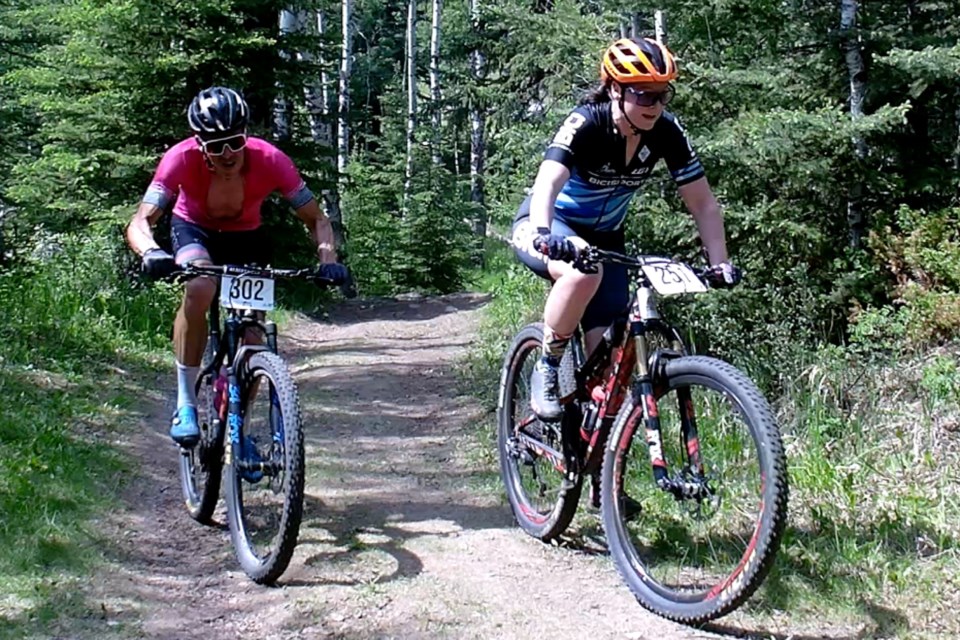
{"x":635,"y":61}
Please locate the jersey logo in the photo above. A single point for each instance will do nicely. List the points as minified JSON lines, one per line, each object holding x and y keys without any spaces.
{"x":644,"y":153}
{"x":568,"y":129}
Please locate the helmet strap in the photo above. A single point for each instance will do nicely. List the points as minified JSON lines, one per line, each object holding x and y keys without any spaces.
{"x":636,"y":130}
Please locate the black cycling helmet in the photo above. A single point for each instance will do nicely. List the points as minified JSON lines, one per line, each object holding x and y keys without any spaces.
{"x":217,"y":110}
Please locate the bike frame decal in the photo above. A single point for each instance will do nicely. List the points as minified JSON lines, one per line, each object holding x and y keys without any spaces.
{"x":234,"y":421}
{"x":278,"y":434}
{"x":688,"y":425}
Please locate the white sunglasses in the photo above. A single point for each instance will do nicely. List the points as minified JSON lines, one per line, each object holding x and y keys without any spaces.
{"x":219,"y":146}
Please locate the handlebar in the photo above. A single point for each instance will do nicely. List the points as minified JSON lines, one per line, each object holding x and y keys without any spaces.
{"x":588,"y":257}
{"x":192,"y":270}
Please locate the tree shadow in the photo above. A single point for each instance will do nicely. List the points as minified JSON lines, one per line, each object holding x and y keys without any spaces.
{"x":406,"y":308}
{"x":886,"y":623}
{"x":383,"y":527}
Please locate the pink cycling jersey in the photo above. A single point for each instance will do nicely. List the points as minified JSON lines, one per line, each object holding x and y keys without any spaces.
{"x":183,"y":174}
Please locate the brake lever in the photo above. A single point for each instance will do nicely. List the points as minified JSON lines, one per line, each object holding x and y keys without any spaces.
{"x":586,"y":261}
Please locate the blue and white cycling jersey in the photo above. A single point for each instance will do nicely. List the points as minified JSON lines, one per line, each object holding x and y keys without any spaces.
{"x":601,"y":182}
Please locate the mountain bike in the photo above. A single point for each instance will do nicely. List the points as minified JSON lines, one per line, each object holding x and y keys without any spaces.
{"x":691,"y":437}
{"x":248,"y":411}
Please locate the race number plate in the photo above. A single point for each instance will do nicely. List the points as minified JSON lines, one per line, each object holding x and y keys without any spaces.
{"x":246,"y":292}
{"x":673,"y":278}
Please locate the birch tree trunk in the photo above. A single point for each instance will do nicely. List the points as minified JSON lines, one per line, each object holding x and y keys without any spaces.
{"x":281,"y":105}
{"x":343,"y":100}
{"x":635,"y":29}
{"x":321,"y":130}
{"x":478,"y":147}
{"x":850,"y":43}
{"x":435,"y":98}
{"x":411,"y":80}
{"x":659,"y":26}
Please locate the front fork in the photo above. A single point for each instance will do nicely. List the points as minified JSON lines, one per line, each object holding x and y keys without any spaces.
{"x":689,"y":483}
{"x":234,"y":416}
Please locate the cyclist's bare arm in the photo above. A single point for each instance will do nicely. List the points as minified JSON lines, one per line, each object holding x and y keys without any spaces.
{"x":705,"y":209}
{"x":550,"y":180}
{"x":320,"y":230}
{"x":140,"y":229}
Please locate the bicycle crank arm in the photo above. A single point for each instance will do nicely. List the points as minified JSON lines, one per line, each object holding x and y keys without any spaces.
{"x":548,"y":452}
{"x":267,"y":468}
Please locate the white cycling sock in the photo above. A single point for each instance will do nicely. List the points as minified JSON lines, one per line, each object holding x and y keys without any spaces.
{"x":186,"y":386}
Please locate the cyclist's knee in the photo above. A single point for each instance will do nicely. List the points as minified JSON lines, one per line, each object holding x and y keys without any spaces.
{"x":198,"y":294}
{"x":583,"y":282}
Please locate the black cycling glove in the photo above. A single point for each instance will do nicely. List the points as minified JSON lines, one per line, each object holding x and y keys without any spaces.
{"x":158,"y":264}
{"x":554,"y":246}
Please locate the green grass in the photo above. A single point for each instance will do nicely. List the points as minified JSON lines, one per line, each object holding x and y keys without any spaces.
{"x":56,"y":476}
{"x":75,"y":335}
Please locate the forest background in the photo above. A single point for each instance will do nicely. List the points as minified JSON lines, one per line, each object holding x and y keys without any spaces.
{"x":830,"y":132}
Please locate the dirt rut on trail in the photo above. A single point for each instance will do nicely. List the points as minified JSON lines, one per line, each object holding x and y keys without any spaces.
{"x":403,"y":536}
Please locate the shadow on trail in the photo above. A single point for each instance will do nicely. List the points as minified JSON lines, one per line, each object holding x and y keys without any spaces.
{"x":411,"y":308}
{"x":384,"y":528}
{"x":884,"y":623}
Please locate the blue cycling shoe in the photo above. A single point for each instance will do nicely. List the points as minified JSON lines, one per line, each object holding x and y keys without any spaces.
{"x":184,"y":429}
{"x":249,"y":454}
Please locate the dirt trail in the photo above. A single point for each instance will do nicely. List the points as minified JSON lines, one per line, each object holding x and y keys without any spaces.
{"x":400,"y":540}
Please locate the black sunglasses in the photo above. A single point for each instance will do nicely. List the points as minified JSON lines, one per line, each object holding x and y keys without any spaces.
{"x":650,"y":98}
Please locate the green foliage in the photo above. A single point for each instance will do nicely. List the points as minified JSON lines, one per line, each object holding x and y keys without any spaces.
{"x":921,"y":251}
{"x":68,"y":304}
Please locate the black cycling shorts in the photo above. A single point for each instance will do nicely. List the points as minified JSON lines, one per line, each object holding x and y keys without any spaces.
{"x":193,"y":242}
{"x":613,"y":295}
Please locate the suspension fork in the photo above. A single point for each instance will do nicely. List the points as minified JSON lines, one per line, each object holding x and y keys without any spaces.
{"x":234,"y":417}
{"x":688,"y":430}
{"x":642,"y":316}
{"x":646,"y":400}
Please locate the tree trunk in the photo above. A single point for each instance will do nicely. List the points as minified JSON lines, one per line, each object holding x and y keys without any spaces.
{"x":281,"y":105}
{"x":660,"y":27}
{"x":435,"y":98}
{"x":343,"y":102}
{"x":850,"y":43}
{"x":321,"y":130}
{"x":956,"y":147}
{"x":411,"y":78}
{"x":477,"y":130}
{"x":635,"y":29}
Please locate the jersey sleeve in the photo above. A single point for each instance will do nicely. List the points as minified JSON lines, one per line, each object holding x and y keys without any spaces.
{"x":167,"y":179}
{"x":289,"y":183}
{"x":681,"y":159}
{"x":571,"y":138}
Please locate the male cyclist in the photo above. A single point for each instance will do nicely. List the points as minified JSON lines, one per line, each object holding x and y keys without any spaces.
{"x":217,"y":181}
{"x":601,"y":155}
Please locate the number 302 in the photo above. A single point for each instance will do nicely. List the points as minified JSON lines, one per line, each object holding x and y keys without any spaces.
{"x":246,"y":289}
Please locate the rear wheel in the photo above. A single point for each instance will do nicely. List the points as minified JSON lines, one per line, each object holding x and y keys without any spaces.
{"x":266,"y":471}
{"x":201,"y":466}
{"x":543,"y":498}
{"x":697,"y":558}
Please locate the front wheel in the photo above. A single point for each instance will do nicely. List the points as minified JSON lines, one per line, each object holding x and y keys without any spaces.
{"x":543,"y":497}
{"x":265,"y":473}
{"x":698,"y":556}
